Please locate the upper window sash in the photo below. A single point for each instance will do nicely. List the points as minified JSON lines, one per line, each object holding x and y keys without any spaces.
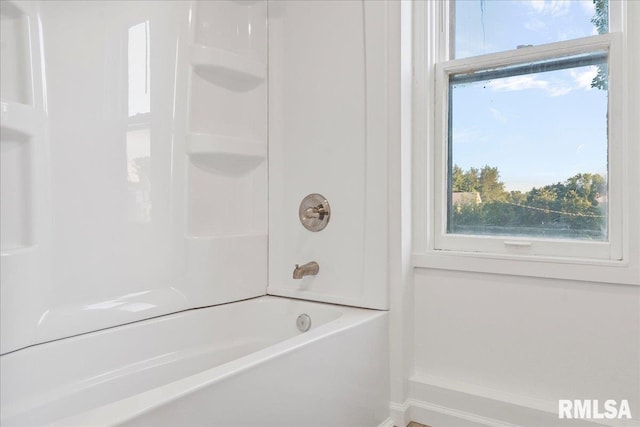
{"x":445,"y":12}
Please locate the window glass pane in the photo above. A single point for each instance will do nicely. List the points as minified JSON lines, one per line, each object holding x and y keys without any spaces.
{"x":528,"y":150}
{"x":487,"y":26}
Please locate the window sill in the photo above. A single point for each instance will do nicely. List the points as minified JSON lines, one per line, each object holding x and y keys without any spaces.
{"x":614,"y":272}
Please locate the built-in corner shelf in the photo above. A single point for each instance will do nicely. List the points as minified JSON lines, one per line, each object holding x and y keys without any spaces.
{"x":17,"y":251}
{"x":225,"y":153}
{"x":14,"y":9}
{"x":20,"y":126}
{"x":227,"y":69}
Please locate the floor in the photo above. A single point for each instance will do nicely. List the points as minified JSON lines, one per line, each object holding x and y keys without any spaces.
{"x":415,"y":424}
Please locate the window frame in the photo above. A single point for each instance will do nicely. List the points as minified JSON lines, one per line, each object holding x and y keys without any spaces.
{"x":519,"y":255}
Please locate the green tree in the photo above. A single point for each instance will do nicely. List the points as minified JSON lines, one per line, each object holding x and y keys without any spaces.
{"x":457,"y":179}
{"x":601,"y":16}
{"x":601,"y":21}
{"x":574,"y":204}
{"x":490,"y":186}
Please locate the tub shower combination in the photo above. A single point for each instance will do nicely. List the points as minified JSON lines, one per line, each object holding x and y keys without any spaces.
{"x":250,"y":367}
{"x":139,"y":284}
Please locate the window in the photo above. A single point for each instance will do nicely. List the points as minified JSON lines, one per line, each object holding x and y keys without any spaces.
{"x":523,"y":134}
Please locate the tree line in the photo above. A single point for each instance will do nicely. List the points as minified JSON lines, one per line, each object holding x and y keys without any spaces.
{"x":577,"y":204}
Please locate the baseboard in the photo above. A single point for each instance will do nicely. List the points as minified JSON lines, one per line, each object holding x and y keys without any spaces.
{"x":386,"y":423}
{"x":437,"y":416}
{"x":433,"y":415}
{"x":400,"y":413}
{"x":437,"y":403}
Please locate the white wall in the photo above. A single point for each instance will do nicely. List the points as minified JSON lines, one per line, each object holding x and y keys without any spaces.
{"x":526,"y":341}
{"x":496,"y":349}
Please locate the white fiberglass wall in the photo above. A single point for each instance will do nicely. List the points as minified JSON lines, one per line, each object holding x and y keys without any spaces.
{"x":133,"y":161}
{"x":328,"y":124}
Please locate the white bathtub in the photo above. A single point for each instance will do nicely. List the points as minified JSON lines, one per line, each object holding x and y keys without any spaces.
{"x":239,"y":364}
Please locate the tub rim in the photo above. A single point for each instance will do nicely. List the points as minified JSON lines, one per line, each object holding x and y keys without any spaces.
{"x":127,"y":408}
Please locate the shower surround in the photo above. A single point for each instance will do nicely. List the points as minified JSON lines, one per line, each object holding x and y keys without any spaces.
{"x":154,"y":154}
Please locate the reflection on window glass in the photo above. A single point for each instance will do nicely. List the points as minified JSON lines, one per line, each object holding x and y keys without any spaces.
{"x":528,"y":151}
{"x":139,"y":70}
{"x":139,"y":175}
{"x":138,"y":137}
{"x":487,"y":26}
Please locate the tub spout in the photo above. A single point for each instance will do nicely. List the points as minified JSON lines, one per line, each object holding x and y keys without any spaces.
{"x":308,"y":269}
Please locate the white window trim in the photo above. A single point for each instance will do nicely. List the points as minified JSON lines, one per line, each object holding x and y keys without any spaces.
{"x":610,"y":250}
{"x":615,"y":262}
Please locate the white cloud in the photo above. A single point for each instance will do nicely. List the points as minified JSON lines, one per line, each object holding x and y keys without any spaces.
{"x":498,"y":115}
{"x":518,"y":83}
{"x":544,"y":18}
{"x":537,"y":5}
{"x":588,"y":6}
{"x":584,"y":78}
{"x":556,"y":87}
{"x":536,"y":25}
{"x":553,"y":8}
{"x":559,"y":90}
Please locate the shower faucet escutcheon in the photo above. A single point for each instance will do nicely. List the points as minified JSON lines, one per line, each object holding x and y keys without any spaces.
{"x":308,"y":269}
{"x":314,"y":212}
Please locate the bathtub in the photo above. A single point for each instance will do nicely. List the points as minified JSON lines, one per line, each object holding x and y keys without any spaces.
{"x":238,"y":364}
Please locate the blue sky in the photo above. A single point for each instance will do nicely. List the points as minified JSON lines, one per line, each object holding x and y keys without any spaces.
{"x":538,"y":129}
